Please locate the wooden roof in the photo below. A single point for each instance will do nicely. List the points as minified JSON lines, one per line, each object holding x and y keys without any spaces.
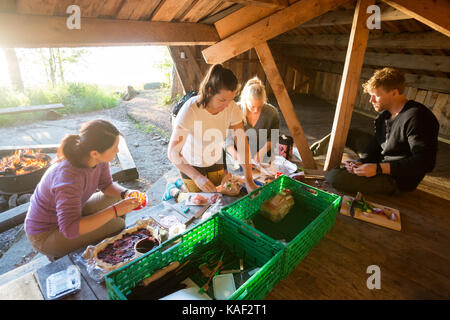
{"x":333,"y":32}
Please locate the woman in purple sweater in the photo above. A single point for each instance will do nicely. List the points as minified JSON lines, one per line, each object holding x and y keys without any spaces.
{"x":66,"y":211}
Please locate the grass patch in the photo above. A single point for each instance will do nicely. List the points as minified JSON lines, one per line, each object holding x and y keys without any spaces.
{"x":76,"y":97}
{"x":150,"y":128}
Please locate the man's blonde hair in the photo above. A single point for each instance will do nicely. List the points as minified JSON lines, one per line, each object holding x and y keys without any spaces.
{"x":387,"y":78}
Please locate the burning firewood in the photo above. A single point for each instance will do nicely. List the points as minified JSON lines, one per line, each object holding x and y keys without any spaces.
{"x":22,"y":162}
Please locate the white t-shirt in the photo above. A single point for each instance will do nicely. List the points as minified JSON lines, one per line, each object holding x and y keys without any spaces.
{"x":206,"y":132}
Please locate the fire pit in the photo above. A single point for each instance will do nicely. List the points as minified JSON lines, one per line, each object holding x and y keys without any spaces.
{"x":22,"y":171}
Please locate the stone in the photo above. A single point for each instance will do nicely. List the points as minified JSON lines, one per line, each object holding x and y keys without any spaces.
{"x":13,"y":201}
{"x":3,"y":203}
{"x":53,"y":115}
{"x":24,"y":198}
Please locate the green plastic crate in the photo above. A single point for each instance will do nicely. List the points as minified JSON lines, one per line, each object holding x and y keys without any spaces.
{"x":211,"y":236}
{"x":312,"y":216}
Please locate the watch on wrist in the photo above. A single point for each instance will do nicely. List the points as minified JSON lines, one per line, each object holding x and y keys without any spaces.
{"x":123,"y":193}
{"x":379,"y":170}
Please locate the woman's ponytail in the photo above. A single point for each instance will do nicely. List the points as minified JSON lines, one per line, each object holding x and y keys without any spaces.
{"x":98,"y":135}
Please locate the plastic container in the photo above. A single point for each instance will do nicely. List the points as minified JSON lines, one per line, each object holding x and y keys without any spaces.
{"x":311,"y":217}
{"x":63,"y":283}
{"x":210,"y":237}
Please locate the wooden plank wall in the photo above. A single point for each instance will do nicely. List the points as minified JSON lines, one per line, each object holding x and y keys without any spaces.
{"x":245,"y":66}
{"x":326,"y":86}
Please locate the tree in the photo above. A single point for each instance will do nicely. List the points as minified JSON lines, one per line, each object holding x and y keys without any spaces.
{"x":55,"y":60}
{"x":13,"y":69}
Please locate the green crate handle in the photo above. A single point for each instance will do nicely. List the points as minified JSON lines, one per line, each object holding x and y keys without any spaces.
{"x":310,"y":190}
{"x":246,"y":235}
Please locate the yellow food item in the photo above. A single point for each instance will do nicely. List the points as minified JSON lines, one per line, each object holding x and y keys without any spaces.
{"x":277,"y":207}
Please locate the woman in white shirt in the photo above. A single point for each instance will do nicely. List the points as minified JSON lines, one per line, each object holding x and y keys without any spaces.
{"x":200,"y":129}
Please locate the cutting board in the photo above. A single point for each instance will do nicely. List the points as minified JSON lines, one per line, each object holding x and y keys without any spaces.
{"x":378,"y":219}
{"x":23,"y":288}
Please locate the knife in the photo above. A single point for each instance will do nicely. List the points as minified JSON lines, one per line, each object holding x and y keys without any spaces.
{"x":352,"y":207}
{"x":198,"y":214}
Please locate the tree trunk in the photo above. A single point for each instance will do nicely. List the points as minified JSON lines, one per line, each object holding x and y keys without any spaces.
{"x":13,"y":69}
{"x":52,"y":65}
{"x":61,"y":72}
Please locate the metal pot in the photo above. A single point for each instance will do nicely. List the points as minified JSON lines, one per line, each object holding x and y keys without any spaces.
{"x":24,"y":183}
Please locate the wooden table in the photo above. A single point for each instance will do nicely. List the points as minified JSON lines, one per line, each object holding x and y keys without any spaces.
{"x":91,"y":289}
{"x":414,"y":263}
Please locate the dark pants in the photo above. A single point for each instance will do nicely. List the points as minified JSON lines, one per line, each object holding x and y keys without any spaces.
{"x":342,"y":180}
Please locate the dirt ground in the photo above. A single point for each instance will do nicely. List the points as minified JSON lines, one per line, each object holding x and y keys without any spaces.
{"x":145,"y":124}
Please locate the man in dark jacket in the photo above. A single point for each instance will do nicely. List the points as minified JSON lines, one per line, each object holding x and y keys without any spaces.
{"x":403,"y":148}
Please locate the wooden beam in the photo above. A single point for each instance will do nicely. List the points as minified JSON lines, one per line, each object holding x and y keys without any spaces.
{"x":267,"y":28}
{"x":342,"y":17}
{"x":286,"y":106}
{"x":349,"y":85}
{"x":13,"y":217}
{"x":396,"y":60}
{"x":240,"y":19}
{"x":168,"y":10}
{"x":128,"y":167}
{"x":51,"y":31}
{"x":183,"y":68}
{"x":25,"y":109}
{"x":194,"y":64}
{"x":435,"y":14}
{"x":275,"y":4}
{"x":414,"y":40}
{"x":411,"y":80}
{"x":221,"y":14}
{"x":36,"y":7}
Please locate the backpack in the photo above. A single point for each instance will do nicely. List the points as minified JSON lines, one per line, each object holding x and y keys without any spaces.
{"x":177,"y":106}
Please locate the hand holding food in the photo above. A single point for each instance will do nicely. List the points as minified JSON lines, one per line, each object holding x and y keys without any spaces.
{"x":230,"y":185}
{"x":351,"y":165}
{"x":125,"y":206}
{"x":141,"y":197}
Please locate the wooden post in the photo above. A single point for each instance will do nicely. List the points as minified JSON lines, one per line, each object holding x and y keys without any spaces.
{"x":434,"y":14}
{"x":276,"y":82}
{"x":349,"y":84}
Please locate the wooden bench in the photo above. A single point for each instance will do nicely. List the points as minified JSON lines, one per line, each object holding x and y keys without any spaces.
{"x":45,"y":107}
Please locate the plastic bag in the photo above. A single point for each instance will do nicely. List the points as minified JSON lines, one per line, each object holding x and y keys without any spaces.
{"x":285,"y":166}
{"x":230,"y":185}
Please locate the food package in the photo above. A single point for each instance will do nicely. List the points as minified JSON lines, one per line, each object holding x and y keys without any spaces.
{"x":230,"y":185}
{"x":112,"y":253}
{"x":201,"y":199}
{"x":277,"y":207}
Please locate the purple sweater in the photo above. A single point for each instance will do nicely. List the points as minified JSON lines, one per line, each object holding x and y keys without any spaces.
{"x":61,"y":195}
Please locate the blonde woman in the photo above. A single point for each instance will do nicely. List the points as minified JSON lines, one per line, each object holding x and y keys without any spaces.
{"x":259,"y":118}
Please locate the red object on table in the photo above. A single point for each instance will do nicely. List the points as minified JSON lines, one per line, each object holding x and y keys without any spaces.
{"x":142,"y":197}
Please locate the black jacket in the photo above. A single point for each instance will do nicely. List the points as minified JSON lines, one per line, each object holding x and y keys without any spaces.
{"x":408,"y":142}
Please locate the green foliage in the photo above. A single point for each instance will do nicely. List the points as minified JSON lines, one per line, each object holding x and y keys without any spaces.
{"x":76,"y":97}
{"x":165,"y":65}
{"x":164,"y":96}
